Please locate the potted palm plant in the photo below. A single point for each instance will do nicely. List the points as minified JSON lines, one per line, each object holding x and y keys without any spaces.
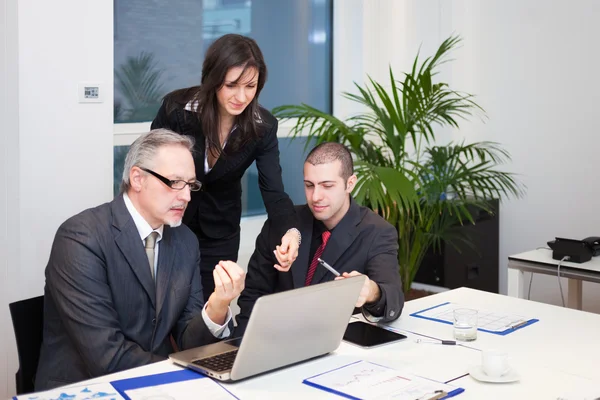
{"x":422,"y":188}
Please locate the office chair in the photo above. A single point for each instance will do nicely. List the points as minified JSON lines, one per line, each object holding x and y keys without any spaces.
{"x":28,"y":322}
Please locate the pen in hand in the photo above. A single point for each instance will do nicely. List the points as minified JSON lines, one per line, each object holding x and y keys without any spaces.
{"x":329,"y":267}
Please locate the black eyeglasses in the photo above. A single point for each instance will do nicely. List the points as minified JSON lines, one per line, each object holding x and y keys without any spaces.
{"x":177,"y":184}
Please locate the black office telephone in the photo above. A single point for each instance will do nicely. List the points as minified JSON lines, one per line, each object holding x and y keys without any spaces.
{"x":593,"y":242}
{"x":577,"y":251}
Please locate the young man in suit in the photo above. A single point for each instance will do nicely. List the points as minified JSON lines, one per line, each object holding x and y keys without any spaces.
{"x":352,"y":239}
{"x":123,"y":277}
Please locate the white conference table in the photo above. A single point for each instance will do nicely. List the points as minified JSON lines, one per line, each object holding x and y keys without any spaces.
{"x":556,"y":356}
{"x":540,"y":261}
{"x":564,"y":339}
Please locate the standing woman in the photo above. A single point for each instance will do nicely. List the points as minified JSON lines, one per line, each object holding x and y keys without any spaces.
{"x":231,"y":131}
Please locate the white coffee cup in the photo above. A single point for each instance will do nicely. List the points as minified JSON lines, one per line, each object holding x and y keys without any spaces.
{"x":494,"y":363}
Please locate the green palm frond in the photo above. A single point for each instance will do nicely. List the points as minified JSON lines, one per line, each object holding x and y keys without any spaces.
{"x":383,"y":189}
{"x":468,"y":171}
{"x":323,"y":127}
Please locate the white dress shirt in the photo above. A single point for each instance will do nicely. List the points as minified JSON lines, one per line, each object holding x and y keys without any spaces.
{"x":144,"y":229}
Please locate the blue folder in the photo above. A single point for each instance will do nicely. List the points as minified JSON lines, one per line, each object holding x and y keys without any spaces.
{"x":503,"y":333}
{"x":159,"y":379}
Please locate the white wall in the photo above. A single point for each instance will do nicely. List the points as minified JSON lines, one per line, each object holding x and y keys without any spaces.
{"x":9,"y":182}
{"x":532,"y":65}
{"x":541,"y":73}
{"x":58,"y":152}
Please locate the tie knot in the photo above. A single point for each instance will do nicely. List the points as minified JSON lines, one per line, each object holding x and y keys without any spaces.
{"x":151,"y":240}
{"x":325,"y":236}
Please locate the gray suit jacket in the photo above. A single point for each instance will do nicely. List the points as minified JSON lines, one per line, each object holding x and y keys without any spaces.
{"x":362,"y":241}
{"x":103,"y":312}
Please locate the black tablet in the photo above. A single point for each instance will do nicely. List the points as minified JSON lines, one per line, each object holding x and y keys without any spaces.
{"x":367,"y":335}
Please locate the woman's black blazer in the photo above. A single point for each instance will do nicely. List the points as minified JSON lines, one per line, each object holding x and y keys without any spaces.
{"x":214,"y":212}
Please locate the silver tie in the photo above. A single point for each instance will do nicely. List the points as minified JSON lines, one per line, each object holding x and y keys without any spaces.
{"x":150,"y":243}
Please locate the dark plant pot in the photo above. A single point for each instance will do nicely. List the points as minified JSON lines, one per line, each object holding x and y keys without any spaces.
{"x":414,"y":294}
{"x":474,"y":268}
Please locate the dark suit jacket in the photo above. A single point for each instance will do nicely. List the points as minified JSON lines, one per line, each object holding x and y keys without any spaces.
{"x":215,"y":211}
{"x":362,"y":242}
{"x":103,"y":312}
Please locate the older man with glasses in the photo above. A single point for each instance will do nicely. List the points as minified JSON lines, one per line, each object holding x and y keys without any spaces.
{"x":123,"y":277}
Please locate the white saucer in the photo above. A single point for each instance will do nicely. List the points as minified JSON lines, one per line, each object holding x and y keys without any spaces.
{"x":477,"y":373}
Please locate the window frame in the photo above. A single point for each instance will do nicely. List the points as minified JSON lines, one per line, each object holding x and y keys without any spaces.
{"x":124,"y":134}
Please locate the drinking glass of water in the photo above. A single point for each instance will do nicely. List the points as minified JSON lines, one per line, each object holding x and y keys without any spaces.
{"x":465,"y":324}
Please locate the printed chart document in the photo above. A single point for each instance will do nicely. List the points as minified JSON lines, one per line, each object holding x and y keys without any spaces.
{"x":102,"y":391}
{"x":365,"y":380}
{"x":186,"y":390}
{"x":487,"y":321}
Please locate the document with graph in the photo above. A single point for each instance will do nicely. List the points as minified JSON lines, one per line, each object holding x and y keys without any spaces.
{"x":366,"y":380}
{"x":498,"y":323}
{"x":100,"y":391}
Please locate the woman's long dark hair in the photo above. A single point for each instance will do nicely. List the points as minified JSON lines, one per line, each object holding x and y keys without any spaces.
{"x":228,"y":51}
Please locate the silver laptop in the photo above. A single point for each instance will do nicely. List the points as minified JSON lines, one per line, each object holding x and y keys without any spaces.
{"x":284,"y":328}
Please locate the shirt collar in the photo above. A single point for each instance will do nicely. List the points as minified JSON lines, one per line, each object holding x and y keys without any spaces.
{"x":192,"y":106}
{"x":143,"y":227}
{"x":318,"y":227}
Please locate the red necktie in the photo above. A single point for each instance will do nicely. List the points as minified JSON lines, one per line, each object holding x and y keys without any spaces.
{"x":315,"y":260}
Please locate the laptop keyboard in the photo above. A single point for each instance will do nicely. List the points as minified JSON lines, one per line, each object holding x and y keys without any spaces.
{"x":219,"y":363}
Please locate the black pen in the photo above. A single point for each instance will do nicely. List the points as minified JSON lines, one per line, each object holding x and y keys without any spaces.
{"x":446,"y":342}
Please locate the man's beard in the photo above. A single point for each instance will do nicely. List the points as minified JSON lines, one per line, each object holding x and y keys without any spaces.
{"x":175,"y":224}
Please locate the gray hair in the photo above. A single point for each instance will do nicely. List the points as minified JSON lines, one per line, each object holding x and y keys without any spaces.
{"x":143,"y":149}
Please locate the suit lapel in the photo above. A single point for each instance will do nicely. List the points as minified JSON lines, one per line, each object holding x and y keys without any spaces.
{"x":300,"y":267}
{"x":200,"y":148}
{"x":191,"y":126}
{"x":227,"y":162}
{"x":129,"y":242}
{"x":165,"y":266}
{"x":218,"y":169}
{"x":342,"y":237}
